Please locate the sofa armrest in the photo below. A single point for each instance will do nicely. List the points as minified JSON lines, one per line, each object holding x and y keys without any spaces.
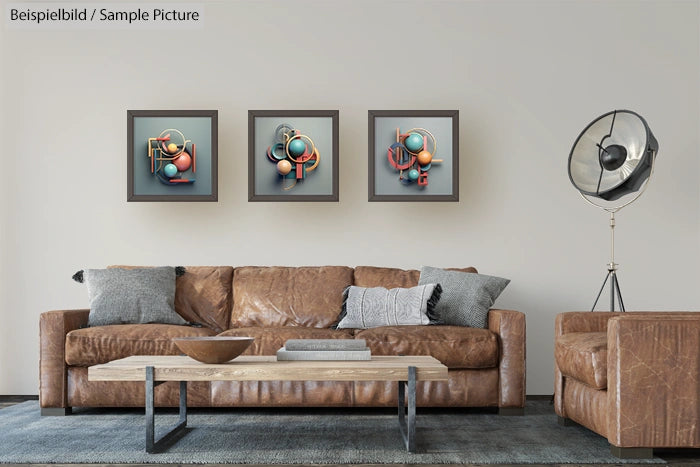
{"x":654,"y":364}
{"x":510,"y":327}
{"x":53,"y":327}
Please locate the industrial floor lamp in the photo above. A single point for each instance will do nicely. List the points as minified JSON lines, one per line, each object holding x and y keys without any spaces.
{"x":610,"y":164}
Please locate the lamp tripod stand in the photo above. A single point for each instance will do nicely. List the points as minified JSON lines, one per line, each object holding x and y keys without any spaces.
{"x":612,"y":273}
{"x":612,"y":265}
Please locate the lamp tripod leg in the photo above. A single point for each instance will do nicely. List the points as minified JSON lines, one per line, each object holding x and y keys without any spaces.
{"x":611,"y":274}
{"x":619,"y":294}
{"x":600,"y":291}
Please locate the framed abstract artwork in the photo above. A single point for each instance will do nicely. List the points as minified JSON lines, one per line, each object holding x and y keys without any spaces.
{"x":292,"y":155}
{"x":172,"y":155}
{"x":413,"y":155}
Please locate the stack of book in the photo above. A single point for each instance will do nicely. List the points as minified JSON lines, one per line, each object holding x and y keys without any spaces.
{"x":324,"y":349}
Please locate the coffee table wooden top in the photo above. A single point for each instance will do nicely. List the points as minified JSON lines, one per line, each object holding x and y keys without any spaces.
{"x":267,"y":368}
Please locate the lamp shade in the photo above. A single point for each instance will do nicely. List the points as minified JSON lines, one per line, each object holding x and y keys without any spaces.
{"x":613,"y":155}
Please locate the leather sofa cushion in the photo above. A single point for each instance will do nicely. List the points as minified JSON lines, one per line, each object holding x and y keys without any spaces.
{"x":455,"y":346}
{"x":269,"y":340}
{"x":203,"y":295}
{"x":389,"y":278}
{"x":101,"y":344}
{"x":287,"y":296}
{"x":584,"y":357}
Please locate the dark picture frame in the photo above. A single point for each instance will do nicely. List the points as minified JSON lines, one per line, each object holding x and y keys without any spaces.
{"x":145,"y":185}
{"x":265,"y":182}
{"x":380,"y":168}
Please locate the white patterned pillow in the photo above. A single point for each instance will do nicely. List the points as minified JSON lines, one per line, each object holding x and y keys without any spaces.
{"x":466,"y":297}
{"x":365,"y":308}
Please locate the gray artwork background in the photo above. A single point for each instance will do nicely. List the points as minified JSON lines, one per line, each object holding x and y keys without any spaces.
{"x":196,"y":129}
{"x":386,"y":178}
{"x":318,"y":182}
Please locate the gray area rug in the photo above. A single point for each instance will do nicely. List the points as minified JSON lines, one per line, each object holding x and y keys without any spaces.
{"x":299,"y":436}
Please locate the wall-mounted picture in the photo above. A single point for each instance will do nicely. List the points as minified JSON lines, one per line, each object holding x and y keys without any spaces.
{"x":172,"y":155}
{"x":413,"y":155}
{"x":292,"y":155}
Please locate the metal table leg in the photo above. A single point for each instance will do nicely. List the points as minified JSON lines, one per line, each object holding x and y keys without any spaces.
{"x":408,"y":427}
{"x":153,"y":445}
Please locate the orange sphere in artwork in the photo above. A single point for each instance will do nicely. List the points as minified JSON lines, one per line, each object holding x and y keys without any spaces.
{"x":424,"y":158}
{"x":284,"y":167}
{"x":172,"y":148}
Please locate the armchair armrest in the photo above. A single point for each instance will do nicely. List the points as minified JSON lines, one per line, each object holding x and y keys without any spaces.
{"x":582,"y":321}
{"x":53,"y":327}
{"x":510,"y":327}
{"x":654,"y":363}
{"x":575,"y":321}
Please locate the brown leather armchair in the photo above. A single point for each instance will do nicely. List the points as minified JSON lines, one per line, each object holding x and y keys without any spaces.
{"x":633,"y":378}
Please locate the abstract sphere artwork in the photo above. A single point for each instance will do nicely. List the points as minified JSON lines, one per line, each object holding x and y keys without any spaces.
{"x":412,"y":156}
{"x":293,"y":153}
{"x":171,"y":157}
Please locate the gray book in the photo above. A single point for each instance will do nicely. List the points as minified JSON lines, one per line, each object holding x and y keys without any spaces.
{"x":284,"y":354}
{"x":325,"y":344}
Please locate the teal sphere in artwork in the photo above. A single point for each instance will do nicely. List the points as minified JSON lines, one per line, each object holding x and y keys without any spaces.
{"x":296,"y":147}
{"x":414,"y":142}
{"x":413,"y":174}
{"x":170,"y":170}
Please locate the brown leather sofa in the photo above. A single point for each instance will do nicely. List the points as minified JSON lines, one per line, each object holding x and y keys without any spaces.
{"x":273,"y":304}
{"x":633,"y":378}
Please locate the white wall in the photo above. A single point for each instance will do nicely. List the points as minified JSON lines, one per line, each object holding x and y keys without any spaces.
{"x":527,"y":76}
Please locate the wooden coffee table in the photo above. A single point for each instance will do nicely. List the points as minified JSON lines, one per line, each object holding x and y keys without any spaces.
{"x":154,"y":370}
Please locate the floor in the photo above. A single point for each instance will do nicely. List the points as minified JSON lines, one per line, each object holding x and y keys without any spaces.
{"x":676,"y":457}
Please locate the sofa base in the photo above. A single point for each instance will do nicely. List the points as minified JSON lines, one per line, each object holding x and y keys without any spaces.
{"x":56,"y":411}
{"x":632,"y":453}
{"x":465,"y":388}
{"x":511,"y":411}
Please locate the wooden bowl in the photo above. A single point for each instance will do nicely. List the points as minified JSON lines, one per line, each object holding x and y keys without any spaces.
{"x":213,"y":349}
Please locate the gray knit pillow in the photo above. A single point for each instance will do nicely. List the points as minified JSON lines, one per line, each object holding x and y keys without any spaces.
{"x":466,"y":297}
{"x":131,"y":296}
{"x":365,"y":308}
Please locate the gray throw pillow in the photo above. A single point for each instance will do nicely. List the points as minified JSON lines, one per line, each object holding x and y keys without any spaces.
{"x":131,"y":296}
{"x":466,"y":297}
{"x":365,"y":308}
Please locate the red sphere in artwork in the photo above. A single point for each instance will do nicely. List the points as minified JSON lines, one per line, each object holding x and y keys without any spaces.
{"x":183,"y":162}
